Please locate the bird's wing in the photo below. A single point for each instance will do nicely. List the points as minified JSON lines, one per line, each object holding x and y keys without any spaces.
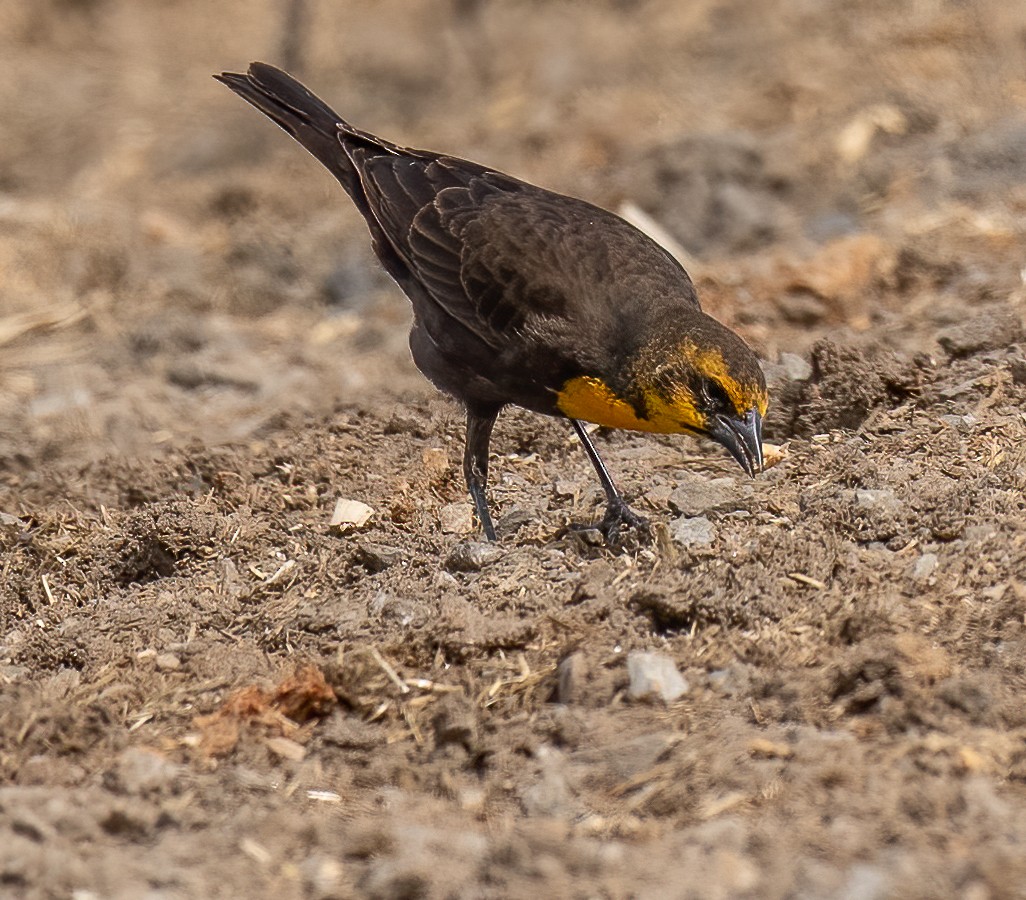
{"x":501,"y":256}
{"x":422,"y":204}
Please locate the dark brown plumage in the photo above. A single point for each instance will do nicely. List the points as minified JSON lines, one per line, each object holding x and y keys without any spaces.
{"x":523,"y":296}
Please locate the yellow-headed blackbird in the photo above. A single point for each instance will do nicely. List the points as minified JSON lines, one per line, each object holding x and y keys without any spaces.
{"x":523,"y":296}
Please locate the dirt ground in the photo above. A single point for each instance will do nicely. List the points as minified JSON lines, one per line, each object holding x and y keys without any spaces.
{"x":208,"y":691}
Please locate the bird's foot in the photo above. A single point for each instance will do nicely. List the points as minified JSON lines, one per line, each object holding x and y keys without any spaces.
{"x":619,"y":516}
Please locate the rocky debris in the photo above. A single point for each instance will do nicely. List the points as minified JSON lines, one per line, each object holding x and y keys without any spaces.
{"x":924,"y":567}
{"x":570,"y":677}
{"x":697,"y":496}
{"x":378,"y":557}
{"x":884,"y":500}
{"x":654,"y":674}
{"x":989,"y":330}
{"x":472,"y":556}
{"x":845,"y":385}
{"x":695,"y":531}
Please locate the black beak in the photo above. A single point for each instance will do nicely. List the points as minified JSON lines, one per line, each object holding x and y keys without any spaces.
{"x":742,"y":437}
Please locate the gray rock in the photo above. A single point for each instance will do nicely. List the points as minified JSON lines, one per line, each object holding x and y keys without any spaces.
{"x":925,"y":566}
{"x":961,"y":423}
{"x":877,"y":500}
{"x":378,"y":557}
{"x":139,"y":770}
{"x":514,"y":520}
{"x":801,"y":307}
{"x":692,"y":532}
{"x":571,"y":676}
{"x":654,"y":674}
{"x":168,"y":662}
{"x":795,"y":368}
{"x":550,"y":795}
{"x":696,"y":496}
{"x":472,"y":556}
{"x":987,"y":331}
{"x":385,"y":605}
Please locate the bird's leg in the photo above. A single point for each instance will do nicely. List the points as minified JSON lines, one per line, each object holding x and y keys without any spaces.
{"x":475,"y":464}
{"x":618,"y":513}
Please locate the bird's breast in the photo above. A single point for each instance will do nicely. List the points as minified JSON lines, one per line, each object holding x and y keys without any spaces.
{"x":590,"y":399}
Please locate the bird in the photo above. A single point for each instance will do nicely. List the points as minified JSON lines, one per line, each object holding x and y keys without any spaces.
{"x":526,"y":297}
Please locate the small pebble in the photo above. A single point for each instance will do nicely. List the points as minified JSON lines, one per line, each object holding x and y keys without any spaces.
{"x":514,"y":520}
{"x":877,"y":500}
{"x":564,"y":488}
{"x":322,"y":875}
{"x":654,"y":674}
{"x":378,"y":557}
{"x":925,"y":566}
{"x":698,"y":496}
{"x":472,"y":556}
{"x":692,"y":531}
{"x":167,"y":662}
{"x":570,"y":676}
{"x":140,"y":770}
{"x":962,"y":423}
{"x":795,"y":368}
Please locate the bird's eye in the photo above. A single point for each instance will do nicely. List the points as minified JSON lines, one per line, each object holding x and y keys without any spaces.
{"x":715,"y":395}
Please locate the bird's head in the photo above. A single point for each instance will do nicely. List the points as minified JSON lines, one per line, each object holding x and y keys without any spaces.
{"x":717,"y":388}
{"x":700,"y":380}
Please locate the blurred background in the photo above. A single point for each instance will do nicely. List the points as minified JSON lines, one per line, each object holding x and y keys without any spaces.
{"x":172,"y":267}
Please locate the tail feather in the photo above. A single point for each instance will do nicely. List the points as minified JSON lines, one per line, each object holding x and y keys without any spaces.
{"x":306,"y":118}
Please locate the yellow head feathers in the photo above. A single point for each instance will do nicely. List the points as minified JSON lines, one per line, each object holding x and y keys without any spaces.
{"x":677,"y":395}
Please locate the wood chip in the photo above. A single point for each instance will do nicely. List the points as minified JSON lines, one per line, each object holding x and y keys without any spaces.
{"x":774,"y":455}
{"x":286,"y":748}
{"x":256,"y":852}
{"x":324,"y":796}
{"x":770,"y":749}
{"x":716,"y":806}
{"x":805,"y":579}
{"x":350,"y":514}
{"x":390,"y":673}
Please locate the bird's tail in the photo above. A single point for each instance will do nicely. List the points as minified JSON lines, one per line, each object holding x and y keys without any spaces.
{"x":306,"y":117}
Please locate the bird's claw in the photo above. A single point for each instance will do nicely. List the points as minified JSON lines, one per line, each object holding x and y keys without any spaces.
{"x":619,"y":516}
